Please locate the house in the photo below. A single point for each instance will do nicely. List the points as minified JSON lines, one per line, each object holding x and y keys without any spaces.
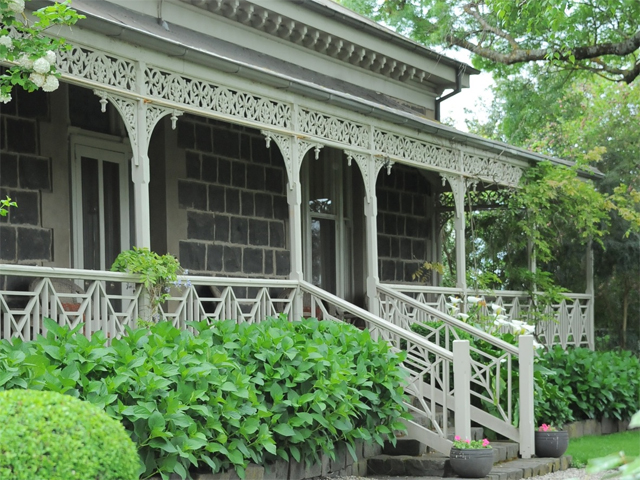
{"x":288,"y":152}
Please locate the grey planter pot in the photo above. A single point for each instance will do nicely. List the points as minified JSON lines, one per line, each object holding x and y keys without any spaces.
{"x":551,"y":444}
{"x":471,"y":463}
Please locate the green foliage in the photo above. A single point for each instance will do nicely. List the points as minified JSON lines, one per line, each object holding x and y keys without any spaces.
{"x":590,"y":384}
{"x":158,"y":272}
{"x":425,"y":271}
{"x":28,"y":49}
{"x":597,"y":37}
{"x":49,"y":436}
{"x":227,"y":395}
{"x":5,"y":205}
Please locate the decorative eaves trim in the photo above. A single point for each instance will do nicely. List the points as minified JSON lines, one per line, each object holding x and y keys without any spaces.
{"x":277,"y":25}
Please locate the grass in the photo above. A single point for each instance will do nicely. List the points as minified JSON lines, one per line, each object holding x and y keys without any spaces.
{"x":595,"y":446}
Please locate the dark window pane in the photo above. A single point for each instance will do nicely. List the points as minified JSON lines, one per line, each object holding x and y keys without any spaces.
{"x":90,"y":214}
{"x":111,"y":185}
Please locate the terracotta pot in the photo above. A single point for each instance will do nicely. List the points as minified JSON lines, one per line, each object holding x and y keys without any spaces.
{"x":551,"y":444}
{"x":471,"y":462}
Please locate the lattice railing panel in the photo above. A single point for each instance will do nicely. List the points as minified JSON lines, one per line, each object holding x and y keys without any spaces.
{"x":572,"y":324}
{"x":442,"y":329}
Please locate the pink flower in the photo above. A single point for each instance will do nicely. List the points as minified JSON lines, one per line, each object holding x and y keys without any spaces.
{"x":544,"y":427}
{"x":457,"y":438}
{"x":485,"y":443}
{"x":468,"y":441}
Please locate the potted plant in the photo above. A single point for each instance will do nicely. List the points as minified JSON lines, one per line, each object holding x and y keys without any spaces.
{"x":471,"y":458}
{"x":551,"y":442}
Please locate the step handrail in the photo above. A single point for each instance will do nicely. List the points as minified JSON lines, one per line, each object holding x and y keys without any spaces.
{"x":454,"y":322}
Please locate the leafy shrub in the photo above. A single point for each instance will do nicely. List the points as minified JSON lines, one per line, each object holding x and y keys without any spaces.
{"x":227,"y":394}
{"x":49,"y":436}
{"x":595,"y":384}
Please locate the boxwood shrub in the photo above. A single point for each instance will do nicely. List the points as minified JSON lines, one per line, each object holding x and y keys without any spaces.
{"x":50,"y":436}
{"x":224,"y":394}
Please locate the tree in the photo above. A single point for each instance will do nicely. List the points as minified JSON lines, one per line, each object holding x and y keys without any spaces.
{"x":599,"y":36}
{"x":30,"y":54}
{"x":583,"y":120}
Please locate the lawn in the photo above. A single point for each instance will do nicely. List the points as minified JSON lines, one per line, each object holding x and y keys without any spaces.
{"x":594,"y":446}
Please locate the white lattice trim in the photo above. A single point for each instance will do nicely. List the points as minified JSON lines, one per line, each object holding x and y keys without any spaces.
{"x":200,"y":94}
{"x":333,"y":128}
{"x":491,"y":169}
{"x":416,"y":150}
{"x":96,"y":66}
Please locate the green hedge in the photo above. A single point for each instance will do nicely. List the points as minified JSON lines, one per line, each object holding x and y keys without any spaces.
{"x":50,"y":436}
{"x":226,"y":395}
{"x":579,"y":384}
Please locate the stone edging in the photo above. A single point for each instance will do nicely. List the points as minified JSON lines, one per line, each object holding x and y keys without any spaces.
{"x":603,"y":426}
{"x":343,"y":465}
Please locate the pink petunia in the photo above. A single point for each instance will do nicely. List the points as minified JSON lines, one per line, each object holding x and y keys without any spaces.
{"x":485,"y":443}
{"x":457,"y":438}
{"x":468,"y":441}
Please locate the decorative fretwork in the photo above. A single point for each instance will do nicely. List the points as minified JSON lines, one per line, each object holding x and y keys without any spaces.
{"x":154,"y":114}
{"x":215,"y":98}
{"x":127,"y":109}
{"x":333,"y":128}
{"x":363,"y":160}
{"x":491,"y":169}
{"x":96,"y":66}
{"x":416,"y":151}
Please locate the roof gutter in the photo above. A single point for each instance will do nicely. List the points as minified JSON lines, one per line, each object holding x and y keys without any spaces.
{"x":456,"y":90}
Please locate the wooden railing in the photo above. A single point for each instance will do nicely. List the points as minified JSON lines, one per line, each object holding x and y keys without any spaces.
{"x":570,"y":324}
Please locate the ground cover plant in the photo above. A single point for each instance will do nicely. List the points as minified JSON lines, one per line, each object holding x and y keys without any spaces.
{"x":50,"y":436}
{"x":226,"y":393}
{"x":591,"y":447}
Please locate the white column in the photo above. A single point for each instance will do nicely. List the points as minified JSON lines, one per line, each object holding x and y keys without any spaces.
{"x":461,"y":385}
{"x":371,"y":233}
{"x":527,"y":426}
{"x":590,"y":292}
{"x":140,"y":174}
{"x":458,"y":187}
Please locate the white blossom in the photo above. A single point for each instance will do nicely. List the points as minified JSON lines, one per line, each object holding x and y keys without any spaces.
{"x":7,"y":42}
{"x":16,"y":6}
{"x":41,"y":66}
{"x":474,"y":299}
{"x":50,"y":84}
{"x":5,"y":98}
{"x":454,"y":300}
{"x":50,"y":57}
{"x":37,"y":78}
{"x":25,"y":62}
{"x":496,"y":308}
{"x":463,"y":316}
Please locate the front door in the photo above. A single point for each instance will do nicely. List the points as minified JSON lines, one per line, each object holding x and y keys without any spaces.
{"x":328,"y":218}
{"x":101,"y":202}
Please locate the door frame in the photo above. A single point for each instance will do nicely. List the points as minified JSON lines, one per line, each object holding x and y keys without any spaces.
{"x":104,"y":150}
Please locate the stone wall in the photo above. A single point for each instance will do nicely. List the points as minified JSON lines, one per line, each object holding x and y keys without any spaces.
{"x":404,"y":223}
{"x":234,"y":194}
{"x":24,"y":175}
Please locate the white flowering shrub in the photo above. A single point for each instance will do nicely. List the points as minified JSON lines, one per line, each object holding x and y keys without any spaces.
{"x":29,"y":54}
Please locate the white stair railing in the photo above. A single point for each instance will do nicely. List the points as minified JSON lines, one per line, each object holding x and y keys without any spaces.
{"x":495,"y":380}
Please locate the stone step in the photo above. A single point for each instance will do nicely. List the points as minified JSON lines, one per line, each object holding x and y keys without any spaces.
{"x":404,"y":446}
{"x":434,"y":466}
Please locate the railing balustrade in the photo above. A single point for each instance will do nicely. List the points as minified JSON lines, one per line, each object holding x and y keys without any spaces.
{"x":572,"y":319}
{"x":486,"y":368}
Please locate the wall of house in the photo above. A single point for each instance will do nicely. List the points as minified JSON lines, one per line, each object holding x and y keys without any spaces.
{"x":232,"y":190}
{"x":406,"y":233}
{"x":25,"y":175}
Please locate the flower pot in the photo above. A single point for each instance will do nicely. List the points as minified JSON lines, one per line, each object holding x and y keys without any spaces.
{"x":470,"y":462}
{"x":551,"y":444}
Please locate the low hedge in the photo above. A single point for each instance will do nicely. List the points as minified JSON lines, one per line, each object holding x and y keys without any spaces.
{"x":227,"y":394}
{"x":49,"y":436}
{"x":579,"y":384}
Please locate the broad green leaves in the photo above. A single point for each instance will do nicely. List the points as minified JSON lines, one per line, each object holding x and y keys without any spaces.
{"x":229,"y":395}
